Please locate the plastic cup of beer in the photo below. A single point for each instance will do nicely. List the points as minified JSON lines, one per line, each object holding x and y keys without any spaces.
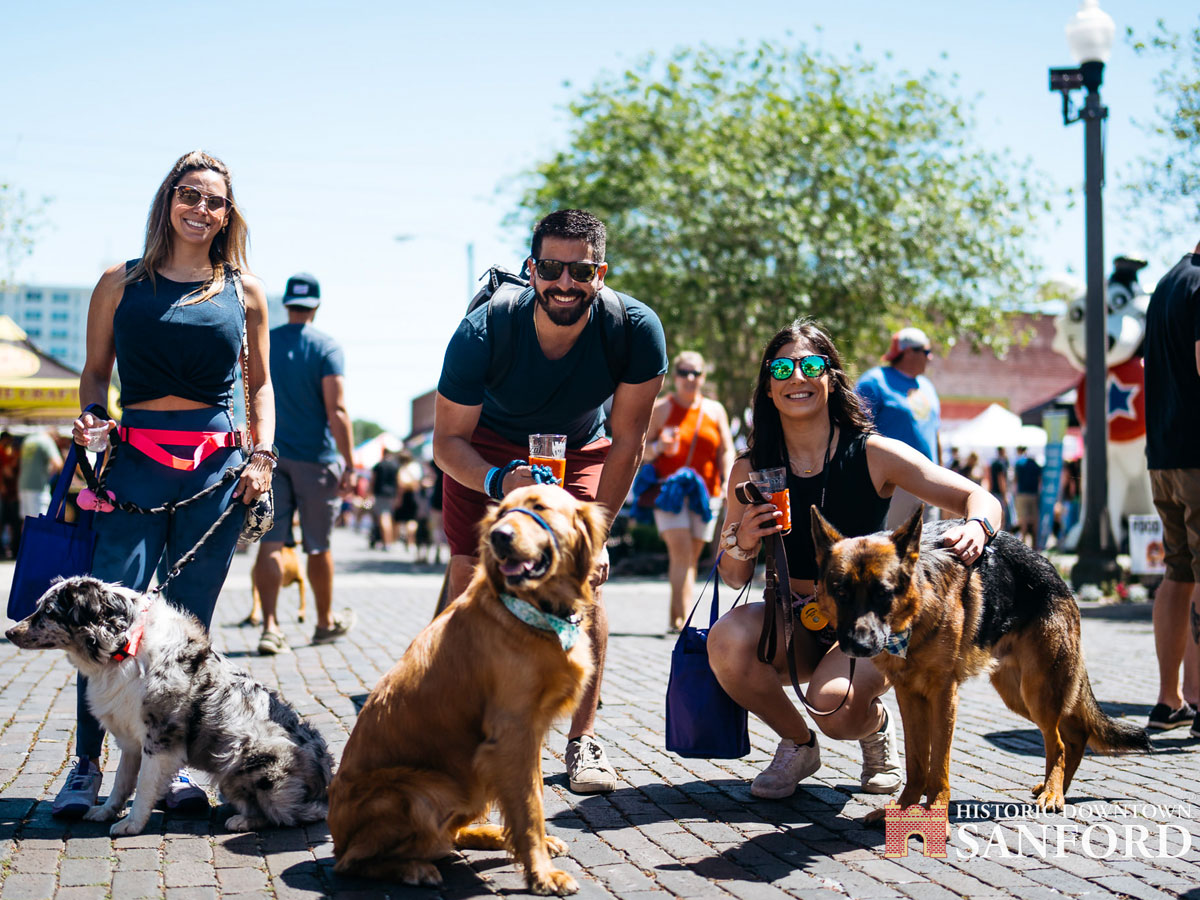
{"x":773,"y":484}
{"x":669,"y":440}
{"x":549,"y":450}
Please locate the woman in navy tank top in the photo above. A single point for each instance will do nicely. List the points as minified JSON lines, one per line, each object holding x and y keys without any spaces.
{"x":173,"y":323}
{"x":807,"y":418}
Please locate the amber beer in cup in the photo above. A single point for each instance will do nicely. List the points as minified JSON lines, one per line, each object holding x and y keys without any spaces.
{"x":550,"y":450}
{"x":773,"y":484}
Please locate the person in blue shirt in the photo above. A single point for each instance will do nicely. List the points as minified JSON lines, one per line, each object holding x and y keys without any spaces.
{"x":1029,"y":484}
{"x":314,"y":443}
{"x":904,"y":405}
{"x":557,"y":382}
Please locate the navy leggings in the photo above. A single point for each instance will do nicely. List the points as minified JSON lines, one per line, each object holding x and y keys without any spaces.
{"x":130,"y":546}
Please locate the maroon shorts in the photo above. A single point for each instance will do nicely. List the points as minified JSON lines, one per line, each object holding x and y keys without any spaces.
{"x":463,"y":509}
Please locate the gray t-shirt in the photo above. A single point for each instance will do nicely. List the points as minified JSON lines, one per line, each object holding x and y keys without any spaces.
{"x":301,"y":357}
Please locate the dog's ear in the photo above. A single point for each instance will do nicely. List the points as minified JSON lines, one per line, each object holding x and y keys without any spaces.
{"x":592,"y":525}
{"x":824,"y":536}
{"x":907,"y":537}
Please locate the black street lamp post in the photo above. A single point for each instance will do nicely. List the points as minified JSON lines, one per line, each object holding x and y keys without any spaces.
{"x":1090,"y":36}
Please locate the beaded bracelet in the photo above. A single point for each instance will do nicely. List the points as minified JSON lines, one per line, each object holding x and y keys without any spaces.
{"x":731,"y":546}
{"x":268,"y":456}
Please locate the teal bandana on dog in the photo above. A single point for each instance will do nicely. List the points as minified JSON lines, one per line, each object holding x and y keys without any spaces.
{"x":897,"y":643}
{"x":566,"y":630}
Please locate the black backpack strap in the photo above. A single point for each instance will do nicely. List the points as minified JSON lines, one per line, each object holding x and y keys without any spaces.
{"x":616,"y":333}
{"x":501,"y":311}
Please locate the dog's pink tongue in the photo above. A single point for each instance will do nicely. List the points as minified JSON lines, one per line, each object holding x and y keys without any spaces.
{"x":516,"y":567}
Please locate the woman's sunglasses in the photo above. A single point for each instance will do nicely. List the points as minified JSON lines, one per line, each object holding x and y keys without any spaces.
{"x":552,"y":269}
{"x":811,"y":366}
{"x":190,"y":196}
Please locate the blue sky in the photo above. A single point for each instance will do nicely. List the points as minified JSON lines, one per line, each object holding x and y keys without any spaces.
{"x":348,"y":124}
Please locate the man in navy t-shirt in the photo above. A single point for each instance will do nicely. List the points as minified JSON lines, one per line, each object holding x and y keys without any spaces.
{"x":557,"y":381}
{"x":313,"y":438}
{"x":1173,"y":458}
{"x":905,"y":406}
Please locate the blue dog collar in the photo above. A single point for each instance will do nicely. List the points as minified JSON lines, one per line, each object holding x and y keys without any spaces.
{"x":536,"y":518}
{"x":566,"y":630}
{"x":897,"y":643}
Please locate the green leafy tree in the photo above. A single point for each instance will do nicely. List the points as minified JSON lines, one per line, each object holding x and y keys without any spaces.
{"x":742,"y":188}
{"x":1171,"y":169}
{"x":19,"y":223}
{"x":364,"y":430}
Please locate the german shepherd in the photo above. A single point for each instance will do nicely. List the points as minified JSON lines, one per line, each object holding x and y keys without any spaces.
{"x":1009,"y":615}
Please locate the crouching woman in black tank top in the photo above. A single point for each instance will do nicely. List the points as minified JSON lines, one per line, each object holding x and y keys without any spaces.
{"x":808,"y":419}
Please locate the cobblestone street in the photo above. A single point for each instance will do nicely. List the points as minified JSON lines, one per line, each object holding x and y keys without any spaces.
{"x":674,"y":826}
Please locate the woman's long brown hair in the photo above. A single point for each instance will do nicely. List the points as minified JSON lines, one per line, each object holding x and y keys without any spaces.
{"x":228,"y":248}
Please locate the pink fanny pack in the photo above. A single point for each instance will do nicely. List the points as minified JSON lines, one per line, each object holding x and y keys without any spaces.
{"x":151,"y":441}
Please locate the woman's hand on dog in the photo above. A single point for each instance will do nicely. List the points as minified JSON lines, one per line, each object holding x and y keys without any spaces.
{"x":966,"y":541}
{"x":255,"y":480}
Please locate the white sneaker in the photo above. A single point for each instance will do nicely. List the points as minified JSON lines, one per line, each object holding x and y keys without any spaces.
{"x":881,"y":766}
{"x":792,"y":764}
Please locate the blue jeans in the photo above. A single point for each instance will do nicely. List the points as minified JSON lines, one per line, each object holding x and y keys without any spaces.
{"x":130,"y":546}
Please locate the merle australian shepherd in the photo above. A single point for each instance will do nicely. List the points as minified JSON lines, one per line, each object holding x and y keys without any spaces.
{"x":169,"y":699}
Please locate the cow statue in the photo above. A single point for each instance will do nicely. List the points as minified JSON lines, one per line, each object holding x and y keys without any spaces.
{"x":1128,"y":478}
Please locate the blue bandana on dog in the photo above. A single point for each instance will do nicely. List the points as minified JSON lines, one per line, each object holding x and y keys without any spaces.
{"x":897,"y":643}
{"x":566,"y":630}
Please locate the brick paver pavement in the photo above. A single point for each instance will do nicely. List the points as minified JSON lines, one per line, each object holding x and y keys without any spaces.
{"x":674,"y":826}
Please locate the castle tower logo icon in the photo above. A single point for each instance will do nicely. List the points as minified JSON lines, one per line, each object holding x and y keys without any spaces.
{"x":932,"y":825}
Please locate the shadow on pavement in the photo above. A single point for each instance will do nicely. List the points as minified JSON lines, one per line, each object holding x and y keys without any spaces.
{"x":1119,"y":611}
{"x":386,"y":565}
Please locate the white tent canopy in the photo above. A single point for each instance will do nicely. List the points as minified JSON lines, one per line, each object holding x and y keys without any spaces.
{"x":371,"y":451}
{"x":992,"y":428}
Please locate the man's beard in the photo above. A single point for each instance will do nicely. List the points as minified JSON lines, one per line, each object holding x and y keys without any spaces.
{"x":565,"y":315}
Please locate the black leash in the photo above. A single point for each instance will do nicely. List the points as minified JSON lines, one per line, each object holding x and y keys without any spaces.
{"x":778,"y":594}
{"x":97,"y":483}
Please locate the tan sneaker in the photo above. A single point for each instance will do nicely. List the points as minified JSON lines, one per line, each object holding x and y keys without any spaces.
{"x":792,"y":764}
{"x":342,"y":622}
{"x":881,"y":766}
{"x":588,"y":769}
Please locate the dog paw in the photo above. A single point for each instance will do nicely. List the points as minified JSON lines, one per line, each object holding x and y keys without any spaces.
{"x":419,"y":871}
{"x":555,"y":847}
{"x":875,"y":816}
{"x":556,"y":882}
{"x":240,"y":822}
{"x":102,"y":813}
{"x":125,"y":828}
{"x":1048,"y":800}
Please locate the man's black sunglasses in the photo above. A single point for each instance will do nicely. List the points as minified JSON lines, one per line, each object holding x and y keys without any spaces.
{"x":552,"y":269}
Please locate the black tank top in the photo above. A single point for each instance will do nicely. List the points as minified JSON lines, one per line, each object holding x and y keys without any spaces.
{"x":851,"y":503}
{"x":164,"y":347}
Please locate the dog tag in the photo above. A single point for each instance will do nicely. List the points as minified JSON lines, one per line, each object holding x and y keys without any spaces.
{"x":811,"y":616}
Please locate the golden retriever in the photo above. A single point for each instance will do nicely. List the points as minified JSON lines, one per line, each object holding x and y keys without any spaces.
{"x":458,"y":722}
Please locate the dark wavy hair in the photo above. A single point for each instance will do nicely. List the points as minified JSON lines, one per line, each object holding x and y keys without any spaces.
{"x":574,"y":225}
{"x":765,"y":445}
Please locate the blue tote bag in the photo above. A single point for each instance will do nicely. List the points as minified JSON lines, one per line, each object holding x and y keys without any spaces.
{"x":703,"y":721}
{"x":51,"y":547}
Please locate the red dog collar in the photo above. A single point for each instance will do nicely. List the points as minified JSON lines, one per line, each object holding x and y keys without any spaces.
{"x":134,"y":642}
